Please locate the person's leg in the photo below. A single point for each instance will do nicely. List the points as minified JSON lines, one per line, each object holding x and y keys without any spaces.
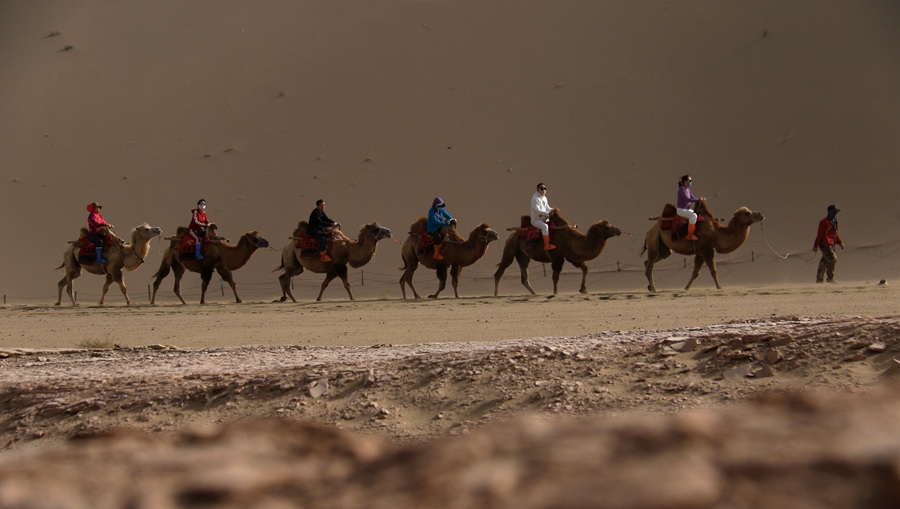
{"x":198,"y":245}
{"x":323,"y":248}
{"x":691,"y":216}
{"x":830,"y":264}
{"x":545,"y":233}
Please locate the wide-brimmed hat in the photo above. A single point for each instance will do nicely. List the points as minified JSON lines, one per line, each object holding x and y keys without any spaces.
{"x":834,"y":208}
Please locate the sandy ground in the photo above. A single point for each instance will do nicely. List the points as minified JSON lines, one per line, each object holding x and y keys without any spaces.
{"x":461,"y":388}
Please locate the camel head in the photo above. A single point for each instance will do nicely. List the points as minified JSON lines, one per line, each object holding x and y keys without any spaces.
{"x":604,"y":229}
{"x":145,"y":231}
{"x":485,"y":231}
{"x":745,"y":217}
{"x":255,"y":239}
{"x":376,"y":230}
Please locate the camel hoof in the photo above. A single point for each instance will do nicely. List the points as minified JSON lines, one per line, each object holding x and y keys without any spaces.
{"x":283,"y":299}
{"x":432,"y":296}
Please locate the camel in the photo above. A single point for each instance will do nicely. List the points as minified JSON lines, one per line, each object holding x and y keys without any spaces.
{"x":344,"y":251}
{"x":456,"y":252}
{"x":713,"y":238}
{"x":219,"y":256}
{"x":128,"y":256}
{"x":571,"y":245}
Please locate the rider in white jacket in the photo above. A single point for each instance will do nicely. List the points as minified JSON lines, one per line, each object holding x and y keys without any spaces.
{"x":540,"y":214}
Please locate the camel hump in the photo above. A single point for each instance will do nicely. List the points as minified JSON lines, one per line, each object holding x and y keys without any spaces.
{"x":84,"y":231}
{"x":302,"y":228}
{"x":181,"y":231}
{"x":669,"y":210}
{"x":419,"y":225}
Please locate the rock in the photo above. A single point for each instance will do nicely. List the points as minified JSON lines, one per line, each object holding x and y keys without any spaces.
{"x":774,"y":356}
{"x":739,"y":372}
{"x":876,"y":347}
{"x":318,"y":388}
{"x":764,"y":372}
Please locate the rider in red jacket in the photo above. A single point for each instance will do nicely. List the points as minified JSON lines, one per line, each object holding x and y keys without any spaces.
{"x":95,"y":224}
{"x":198,"y":226}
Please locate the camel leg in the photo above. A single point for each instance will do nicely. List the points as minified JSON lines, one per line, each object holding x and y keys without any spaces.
{"x":648,"y":271}
{"x":328,"y":277}
{"x":656,"y":251}
{"x":205,"y":278}
{"x":523,"y":261}
{"x":711,"y":263}
{"x":557,"y":266}
{"x":698,"y":263}
{"x":442,"y":277}
{"x":229,"y":278}
{"x":178,"y":273}
{"x":455,"y":270}
{"x":67,"y":282}
{"x":342,"y":273}
{"x":510,"y":253}
{"x":584,"y":272}
{"x":285,"y":280}
{"x":407,"y":278}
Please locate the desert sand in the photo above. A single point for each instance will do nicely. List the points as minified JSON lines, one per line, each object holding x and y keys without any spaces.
{"x":772,"y":392}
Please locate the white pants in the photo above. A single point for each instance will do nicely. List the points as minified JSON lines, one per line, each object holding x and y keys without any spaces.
{"x":542,"y":226}
{"x":688,"y":214}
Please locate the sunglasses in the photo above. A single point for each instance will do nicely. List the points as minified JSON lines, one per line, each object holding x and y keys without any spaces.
{"x":543,"y":188}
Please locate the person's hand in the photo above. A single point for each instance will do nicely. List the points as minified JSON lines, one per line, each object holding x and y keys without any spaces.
{"x":452,"y":221}
{"x":842,"y":245}
{"x":111,"y":226}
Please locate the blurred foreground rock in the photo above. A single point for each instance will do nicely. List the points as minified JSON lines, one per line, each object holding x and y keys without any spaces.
{"x":783,"y":450}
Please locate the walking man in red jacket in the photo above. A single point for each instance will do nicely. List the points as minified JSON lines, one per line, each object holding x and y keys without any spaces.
{"x":826,"y":239}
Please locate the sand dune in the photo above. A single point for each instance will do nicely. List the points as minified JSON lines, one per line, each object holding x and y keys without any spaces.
{"x":261,"y":109}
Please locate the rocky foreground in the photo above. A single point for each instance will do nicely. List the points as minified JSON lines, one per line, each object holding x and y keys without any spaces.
{"x":783,"y":412}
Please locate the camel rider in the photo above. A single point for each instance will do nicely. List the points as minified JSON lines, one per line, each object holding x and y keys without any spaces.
{"x":683,"y":207}
{"x":438,"y":222}
{"x":540,"y":214}
{"x":198,"y":226}
{"x":319,"y":224}
{"x":95,"y":224}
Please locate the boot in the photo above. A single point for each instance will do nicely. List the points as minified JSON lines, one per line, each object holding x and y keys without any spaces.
{"x":437,"y":252}
{"x":100,"y":258}
{"x":690,"y":235}
{"x":324,"y":256}
{"x":547,"y":245}
{"x":197,"y":248}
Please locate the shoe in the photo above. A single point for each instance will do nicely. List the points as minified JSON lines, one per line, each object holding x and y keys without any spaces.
{"x":100,"y":258}
{"x":690,"y":235}
{"x":197,"y":247}
{"x":547,"y":245}
{"x":324,"y":257}
{"x":437,"y":252}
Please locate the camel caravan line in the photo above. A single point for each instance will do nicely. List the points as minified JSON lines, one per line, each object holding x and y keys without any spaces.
{"x":301,"y":254}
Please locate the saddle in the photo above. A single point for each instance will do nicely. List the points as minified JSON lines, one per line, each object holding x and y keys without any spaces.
{"x":426,"y":240}
{"x":87,"y":254}
{"x":187,"y":250}
{"x":531,"y":233}
{"x":672,"y":221}
{"x":309,"y":244}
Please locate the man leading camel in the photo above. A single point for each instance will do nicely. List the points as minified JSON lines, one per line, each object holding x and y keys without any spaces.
{"x":540,"y":214}
{"x":827,"y":238}
{"x":319,"y":223}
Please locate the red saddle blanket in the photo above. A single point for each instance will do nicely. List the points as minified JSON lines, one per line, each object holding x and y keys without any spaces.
{"x":531,"y":233}
{"x":672,"y":221}
{"x":426,"y":240}
{"x":309,"y":245}
{"x":188,"y":251}
{"x":88,"y":251}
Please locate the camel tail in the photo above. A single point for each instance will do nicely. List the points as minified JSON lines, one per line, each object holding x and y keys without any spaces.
{"x":279,"y":267}
{"x":63,"y":264}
